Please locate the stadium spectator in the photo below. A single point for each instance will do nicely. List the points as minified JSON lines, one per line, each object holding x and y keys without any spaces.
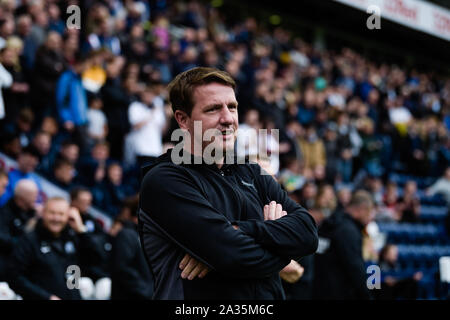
{"x":58,"y":241}
{"x":7,"y":27}
{"x":102,"y":35}
{"x":21,"y":125}
{"x":49,"y":64}
{"x":94,"y":165}
{"x":409,"y":203}
{"x":394,"y":285}
{"x":147,"y":119}
{"x":42,"y":142}
{"x":15,"y":96}
{"x":24,"y":26}
{"x":14,"y":219}
{"x":94,"y":76}
{"x":340,"y":272}
{"x":63,"y":174}
{"x":26,"y":164}
{"x":97,"y":124}
{"x":54,"y":19}
{"x":325,"y":203}
{"x":81,"y":198}
{"x":308,"y":195}
{"x":441,"y":186}
{"x":330,"y":142}
{"x":6,"y":81}
{"x":371,"y":148}
{"x":344,"y":195}
{"x":10,"y":144}
{"x":113,"y":190}
{"x":116,"y":101}
{"x":71,"y":101}
{"x":389,"y":209}
{"x":69,"y":151}
{"x":131,"y":277}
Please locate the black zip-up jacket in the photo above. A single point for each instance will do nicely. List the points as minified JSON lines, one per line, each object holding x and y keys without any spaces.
{"x":104,"y":241}
{"x":340,"y":272}
{"x":12,"y":225}
{"x":39,"y":262}
{"x":191,"y":208}
{"x":131,"y":277}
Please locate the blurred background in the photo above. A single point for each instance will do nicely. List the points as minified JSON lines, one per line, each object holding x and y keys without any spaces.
{"x":82,"y":109}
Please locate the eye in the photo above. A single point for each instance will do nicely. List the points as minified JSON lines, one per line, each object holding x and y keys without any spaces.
{"x":213,"y":109}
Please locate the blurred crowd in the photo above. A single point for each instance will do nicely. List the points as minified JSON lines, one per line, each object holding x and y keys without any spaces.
{"x":85,"y":108}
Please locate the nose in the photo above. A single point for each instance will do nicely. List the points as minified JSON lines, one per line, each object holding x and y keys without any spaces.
{"x":226,"y":117}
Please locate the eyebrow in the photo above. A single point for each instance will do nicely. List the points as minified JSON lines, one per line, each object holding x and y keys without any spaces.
{"x":215,"y":105}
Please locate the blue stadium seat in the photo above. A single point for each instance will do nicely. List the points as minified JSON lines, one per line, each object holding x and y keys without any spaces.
{"x":433,"y":214}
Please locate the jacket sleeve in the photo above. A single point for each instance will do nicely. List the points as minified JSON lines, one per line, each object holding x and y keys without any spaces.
{"x":350,"y":255}
{"x":91,"y":250}
{"x":20,"y":265}
{"x":292,"y":236}
{"x":62,"y":93}
{"x":176,"y":205}
{"x":126,"y":247}
{"x":6,"y":241}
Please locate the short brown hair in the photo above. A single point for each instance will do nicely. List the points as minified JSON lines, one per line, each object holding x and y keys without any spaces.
{"x":360,"y":198}
{"x":181,"y":89}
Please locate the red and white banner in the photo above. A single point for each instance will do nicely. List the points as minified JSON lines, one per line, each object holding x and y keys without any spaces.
{"x":416,"y":14}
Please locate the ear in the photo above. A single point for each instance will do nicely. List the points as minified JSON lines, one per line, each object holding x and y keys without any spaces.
{"x":182,"y":119}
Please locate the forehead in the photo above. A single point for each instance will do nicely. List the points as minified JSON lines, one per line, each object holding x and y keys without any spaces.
{"x":213,"y":93}
{"x":57,"y":205}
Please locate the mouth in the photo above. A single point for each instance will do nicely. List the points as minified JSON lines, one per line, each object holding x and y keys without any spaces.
{"x":227,"y":134}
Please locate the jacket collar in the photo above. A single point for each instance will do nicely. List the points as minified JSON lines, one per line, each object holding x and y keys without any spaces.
{"x":195,"y":162}
{"x":24,"y":215}
{"x":45,"y":234}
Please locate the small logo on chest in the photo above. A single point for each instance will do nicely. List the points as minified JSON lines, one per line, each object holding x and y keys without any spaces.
{"x":251,"y":185}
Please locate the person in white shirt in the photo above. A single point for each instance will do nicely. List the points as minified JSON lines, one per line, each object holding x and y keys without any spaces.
{"x":97,"y":123}
{"x":441,"y":186}
{"x":6,"y":81}
{"x":258,"y":144}
{"x":147,"y":119}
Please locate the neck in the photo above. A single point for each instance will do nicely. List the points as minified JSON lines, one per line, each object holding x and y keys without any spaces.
{"x":197,"y":152}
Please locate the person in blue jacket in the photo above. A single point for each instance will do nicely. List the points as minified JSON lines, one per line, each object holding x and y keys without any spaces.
{"x":71,"y":100}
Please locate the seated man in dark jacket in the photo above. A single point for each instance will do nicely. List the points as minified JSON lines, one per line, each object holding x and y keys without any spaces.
{"x":14,"y":217}
{"x":340,"y":271}
{"x":81,"y":198}
{"x":131,"y":276}
{"x":219,"y":213}
{"x":40,"y":260}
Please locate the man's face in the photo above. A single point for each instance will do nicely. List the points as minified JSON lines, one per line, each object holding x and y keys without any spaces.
{"x":71,"y":152}
{"x":56,"y":215}
{"x":100,"y":152}
{"x":64,"y":173}
{"x":27,"y":162}
{"x":366,"y":214}
{"x":42,"y":143}
{"x":115,"y":174}
{"x":83,"y":201}
{"x":215,"y":106}
{"x":28,"y":199}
